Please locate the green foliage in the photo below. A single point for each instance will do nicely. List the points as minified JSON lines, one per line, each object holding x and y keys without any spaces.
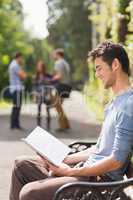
{"x":110,"y":20}
{"x":96,"y":96}
{"x":41,"y":50}
{"x":129,"y":37}
{"x":122,"y":4}
{"x":12,"y":35}
{"x":14,"y":38}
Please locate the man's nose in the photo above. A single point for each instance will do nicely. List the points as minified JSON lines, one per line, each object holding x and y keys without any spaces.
{"x":96,"y":74}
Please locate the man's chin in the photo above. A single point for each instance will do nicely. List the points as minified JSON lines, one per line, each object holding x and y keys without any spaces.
{"x":106,"y":86}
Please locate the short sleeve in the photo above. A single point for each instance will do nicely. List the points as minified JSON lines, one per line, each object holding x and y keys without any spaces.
{"x":58,"y":66}
{"x":16,"y":69}
{"x":123,"y":136}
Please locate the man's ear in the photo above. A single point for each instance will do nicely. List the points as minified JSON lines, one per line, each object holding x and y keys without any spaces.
{"x":115,"y":64}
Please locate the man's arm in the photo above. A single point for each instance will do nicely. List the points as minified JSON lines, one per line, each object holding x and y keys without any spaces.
{"x":22,"y":75}
{"x":57,"y":76}
{"x":120,"y":152}
{"x":101,"y":167}
{"x":80,"y":156}
{"x":57,"y":71}
{"x":77,"y":157}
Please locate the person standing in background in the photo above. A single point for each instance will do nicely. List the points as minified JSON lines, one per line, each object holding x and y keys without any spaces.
{"x":61,"y":79}
{"x":41,"y":89}
{"x":16,"y":77}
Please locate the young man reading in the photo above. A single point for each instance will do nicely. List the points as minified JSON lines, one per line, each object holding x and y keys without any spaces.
{"x":109,"y":157}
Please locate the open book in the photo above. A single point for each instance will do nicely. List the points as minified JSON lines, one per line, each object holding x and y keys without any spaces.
{"x":47,"y":146}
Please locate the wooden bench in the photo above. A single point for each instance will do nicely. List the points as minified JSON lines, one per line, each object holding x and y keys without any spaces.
{"x":117,"y":190}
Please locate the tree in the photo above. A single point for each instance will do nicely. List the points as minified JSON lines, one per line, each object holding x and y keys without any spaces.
{"x":41,"y":49}
{"x":129,"y":36}
{"x":13,"y":37}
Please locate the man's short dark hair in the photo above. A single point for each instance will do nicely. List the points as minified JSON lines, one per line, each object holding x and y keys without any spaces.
{"x":109,"y":51}
{"x":60,"y":52}
{"x":18,"y":54}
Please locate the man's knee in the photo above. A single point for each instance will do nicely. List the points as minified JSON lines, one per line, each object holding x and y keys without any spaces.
{"x":20,"y":162}
{"x":27,"y":192}
{"x":32,"y":191}
{"x":38,"y":190}
{"x":22,"y":165}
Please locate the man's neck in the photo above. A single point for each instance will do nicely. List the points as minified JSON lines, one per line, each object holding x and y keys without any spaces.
{"x":59,"y":58}
{"x":122,"y":85}
{"x":17,"y":61}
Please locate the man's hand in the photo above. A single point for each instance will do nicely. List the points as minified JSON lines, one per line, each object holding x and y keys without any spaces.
{"x":22,"y":75}
{"x":43,"y":161}
{"x":57,"y":76}
{"x":62,"y":170}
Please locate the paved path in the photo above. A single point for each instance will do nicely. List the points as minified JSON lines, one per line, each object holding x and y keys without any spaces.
{"x":83,"y":127}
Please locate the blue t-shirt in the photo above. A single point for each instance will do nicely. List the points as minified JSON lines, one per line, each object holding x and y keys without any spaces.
{"x":15,"y":81}
{"x":116,"y":137}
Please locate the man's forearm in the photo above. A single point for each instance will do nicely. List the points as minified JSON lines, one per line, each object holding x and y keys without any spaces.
{"x":101,"y":167}
{"x":22,"y":75}
{"x":80,"y":156}
{"x":56,"y":77}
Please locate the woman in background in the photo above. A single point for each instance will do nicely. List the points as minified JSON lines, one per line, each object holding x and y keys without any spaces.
{"x":42,"y":89}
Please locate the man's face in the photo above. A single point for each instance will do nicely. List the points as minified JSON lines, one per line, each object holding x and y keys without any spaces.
{"x":104,"y":73}
{"x":54,"y":56}
{"x":20,"y":60}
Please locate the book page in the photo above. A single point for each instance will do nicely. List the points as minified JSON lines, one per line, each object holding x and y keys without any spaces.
{"x":47,"y":145}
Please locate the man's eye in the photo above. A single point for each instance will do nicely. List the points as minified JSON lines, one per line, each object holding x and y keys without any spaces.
{"x":99,"y":69}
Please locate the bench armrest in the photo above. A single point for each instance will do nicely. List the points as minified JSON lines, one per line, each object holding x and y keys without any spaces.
{"x":94,"y":190}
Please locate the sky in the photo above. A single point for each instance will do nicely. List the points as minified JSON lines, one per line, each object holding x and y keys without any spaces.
{"x":36,"y":15}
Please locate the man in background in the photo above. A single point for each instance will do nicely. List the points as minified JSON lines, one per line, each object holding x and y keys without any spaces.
{"x":16,"y":77}
{"x":61,"y":79}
